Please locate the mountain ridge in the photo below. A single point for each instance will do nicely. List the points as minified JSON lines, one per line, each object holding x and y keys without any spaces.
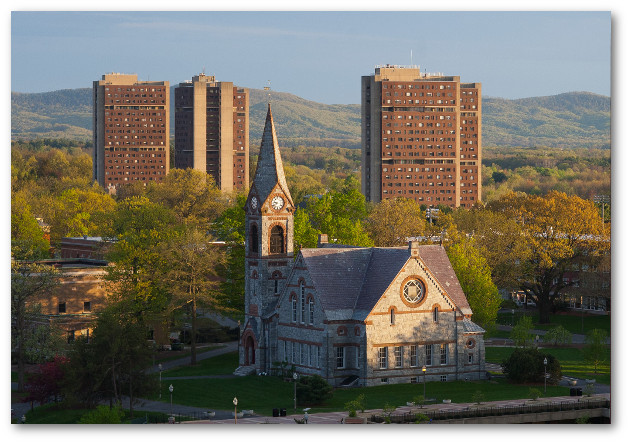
{"x":566,"y":120}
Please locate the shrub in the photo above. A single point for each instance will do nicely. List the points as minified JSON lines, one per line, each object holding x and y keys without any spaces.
{"x":419,"y":400}
{"x":103,"y":415}
{"x":534,"y":393}
{"x":421,"y":418}
{"x":526,"y":365}
{"x":558,"y":335}
{"x":520,"y":332}
{"x":478,"y":397}
{"x":313,"y":390}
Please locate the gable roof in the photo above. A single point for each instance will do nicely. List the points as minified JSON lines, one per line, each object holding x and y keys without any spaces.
{"x":350,"y":281}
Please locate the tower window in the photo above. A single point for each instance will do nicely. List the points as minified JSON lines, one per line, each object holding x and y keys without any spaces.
{"x":276,"y":240}
{"x":253,"y":239}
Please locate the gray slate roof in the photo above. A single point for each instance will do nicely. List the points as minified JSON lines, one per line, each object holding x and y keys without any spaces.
{"x":352,"y":280}
{"x":269,"y":169}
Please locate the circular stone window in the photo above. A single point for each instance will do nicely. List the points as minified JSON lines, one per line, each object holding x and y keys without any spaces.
{"x":413,"y":291}
{"x":470,"y":343}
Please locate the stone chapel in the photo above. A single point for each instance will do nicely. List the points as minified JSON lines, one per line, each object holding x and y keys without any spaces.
{"x":356,"y":316}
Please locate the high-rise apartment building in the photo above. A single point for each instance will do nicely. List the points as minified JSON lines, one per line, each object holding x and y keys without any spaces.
{"x":131,"y":130}
{"x":420,"y":137}
{"x":212,"y":130}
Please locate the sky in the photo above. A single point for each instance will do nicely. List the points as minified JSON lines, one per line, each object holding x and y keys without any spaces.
{"x":317,"y":55}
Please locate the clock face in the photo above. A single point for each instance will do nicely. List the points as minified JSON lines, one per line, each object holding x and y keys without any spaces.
{"x":277,"y":203}
{"x":254,"y":202}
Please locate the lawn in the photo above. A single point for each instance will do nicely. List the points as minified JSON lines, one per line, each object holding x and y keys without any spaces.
{"x":219,"y":365}
{"x":572,"y":322}
{"x":571,"y":360}
{"x":164,"y":356}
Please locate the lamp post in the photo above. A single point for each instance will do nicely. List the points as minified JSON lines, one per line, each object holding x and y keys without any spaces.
{"x":545,"y":363}
{"x":238,"y":343}
{"x":424,"y":381}
{"x":170,"y":389}
{"x":295,"y":377}
{"x":160,"y":368}
{"x":235,"y":401}
{"x":512,"y":317}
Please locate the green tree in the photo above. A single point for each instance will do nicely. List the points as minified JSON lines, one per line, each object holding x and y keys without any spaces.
{"x":230,"y":228}
{"x":139,"y":227}
{"x":340,"y":215}
{"x":27,"y":238}
{"x":558,"y":336}
{"x":392,"y":221}
{"x":474,"y":277}
{"x":190,"y":275}
{"x":521,"y":333}
{"x":304,"y":235}
{"x":596,"y":350}
{"x":192,"y":196}
{"x":28,"y":280}
{"x":313,"y":390}
{"x":79,"y":212}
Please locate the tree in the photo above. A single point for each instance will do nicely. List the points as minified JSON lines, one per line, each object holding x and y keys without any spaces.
{"x":313,"y":390}
{"x":392,"y":221}
{"x":103,"y":415}
{"x":558,"y":230}
{"x":304,"y":234}
{"x":139,"y":226}
{"x":521,"y":333}
{"x":192,"y":195}
{"x":474,"y":277}
{"x":47,"y":381}
{"x":230,"y":227}
{"x":558,"y":335}
{"x":27,"y":238}
{"x":190,"y":275}
{"x":596,"y":350}
{"x":27,"y":281}
{"x":527,"y":365}
{"x":340,"y":215}
{"x":79,"y":212}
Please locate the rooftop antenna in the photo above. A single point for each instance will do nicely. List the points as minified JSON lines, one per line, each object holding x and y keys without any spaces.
{"x":411,"y":57}
{"x":268,"y":89}
{"x":203,"y":70}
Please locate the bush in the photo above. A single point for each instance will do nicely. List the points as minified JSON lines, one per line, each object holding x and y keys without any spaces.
{"x":526,"y":365}
{"x":558,"y":335}
{"x":520,"y":332}
{"x":103,"y":415}
{"x":358,"y":404}
{"x":313,"y":390}
{"x":534,"y":393}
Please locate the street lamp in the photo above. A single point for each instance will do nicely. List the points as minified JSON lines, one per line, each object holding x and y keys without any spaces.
{"x":170,"y":389}
{"x":295,"y":377}
{"x":235,"y":401}
{"x":238,"y":343}
{"x":424,"y":381}
{"x":512,"y":317}
{"x":545,"y":363}
{"x":160,"y":368}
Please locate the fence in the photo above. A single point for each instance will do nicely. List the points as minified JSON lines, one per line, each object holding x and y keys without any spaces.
{"x":436,"y":415}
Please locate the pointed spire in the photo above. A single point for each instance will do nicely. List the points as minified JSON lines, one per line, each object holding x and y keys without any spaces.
{"x":269,"y":169}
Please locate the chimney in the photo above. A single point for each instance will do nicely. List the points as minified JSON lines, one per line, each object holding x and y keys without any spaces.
{"x":414,"y":248}
{"x":322,"y":240}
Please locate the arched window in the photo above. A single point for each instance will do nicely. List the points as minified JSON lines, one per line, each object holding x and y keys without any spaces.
{"x":311,"y":311}
{"x":435,"y":314}
{"x":253,"y":239}
{"x":302,"y":302}
{"x":293,"y":308}
{"x":276,"y":240}
{"x":392,"y":317}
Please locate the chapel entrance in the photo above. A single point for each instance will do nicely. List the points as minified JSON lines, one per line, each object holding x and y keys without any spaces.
{"x":250,"y":351}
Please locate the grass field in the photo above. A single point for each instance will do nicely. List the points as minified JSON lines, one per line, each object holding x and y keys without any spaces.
{"x":219,"y":365}
{"x":574,"y":323}
{"x":571,"y":360}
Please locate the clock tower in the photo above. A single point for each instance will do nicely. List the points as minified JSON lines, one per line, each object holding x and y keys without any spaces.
{"x":268,"y":249}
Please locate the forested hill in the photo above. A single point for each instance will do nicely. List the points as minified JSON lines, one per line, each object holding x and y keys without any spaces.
{"x":570,"y":120}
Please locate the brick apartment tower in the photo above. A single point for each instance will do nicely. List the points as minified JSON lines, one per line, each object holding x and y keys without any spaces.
{"x":212,"y":130}
{"x":131,"y":130}
{"x":420,"y":137}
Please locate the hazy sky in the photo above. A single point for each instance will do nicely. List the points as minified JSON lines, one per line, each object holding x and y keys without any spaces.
{"x":319,"y":56}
